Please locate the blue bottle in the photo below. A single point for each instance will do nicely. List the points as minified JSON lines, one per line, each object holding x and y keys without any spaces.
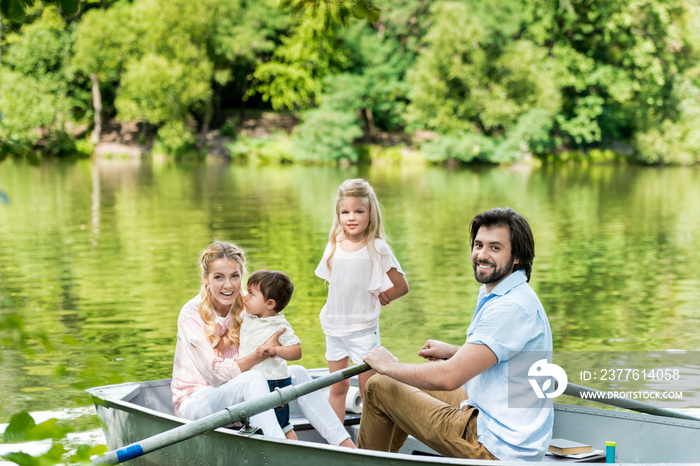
{"x":610,"y":452}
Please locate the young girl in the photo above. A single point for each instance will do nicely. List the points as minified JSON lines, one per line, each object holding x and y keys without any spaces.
{"x":362,"y":275}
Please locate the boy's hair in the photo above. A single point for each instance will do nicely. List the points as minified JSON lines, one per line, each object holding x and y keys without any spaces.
{"x":273,"y":284}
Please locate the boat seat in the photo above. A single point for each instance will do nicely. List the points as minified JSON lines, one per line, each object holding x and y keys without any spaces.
{"x":301,"y":423}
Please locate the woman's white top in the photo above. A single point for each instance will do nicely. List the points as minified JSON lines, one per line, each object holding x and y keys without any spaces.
{"x":354,"y":284}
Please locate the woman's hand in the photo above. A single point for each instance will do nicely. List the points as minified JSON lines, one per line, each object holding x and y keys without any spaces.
{"x":266,"y":349}
{"x":275,"y":338}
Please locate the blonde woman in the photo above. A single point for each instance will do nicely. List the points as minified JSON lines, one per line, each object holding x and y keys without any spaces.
{"x":362,"y":275}
{"x":209,"y":375}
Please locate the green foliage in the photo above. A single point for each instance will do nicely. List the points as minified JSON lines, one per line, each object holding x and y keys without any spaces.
{"x":261,"y":150}
{"x":69,"y":7}
{"x":104,"y":40}
{"x":595,"y":73}
{"x":85,"y":452}
{"x":464,"y":148}
{"x":326,"y":134}
{"x":378,"y":155}
{"x":529,"y":135}
{"x":468,"y":80}
{"x":676,"y":140}
{"x":16,"y":10}
{"x":22,"y":427}
{"x":335,"y":10}
{"x":230,"y":126}
{"x":616,"y":62}
{"x":176,"y":138}
{"x":533,"y":76}
{"x":292,"y":79}
{"x":35,"y":101}
{"x":15,"y":333}
{"x":164,"y":92}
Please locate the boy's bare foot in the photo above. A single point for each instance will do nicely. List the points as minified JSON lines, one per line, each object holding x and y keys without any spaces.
{"x":291,"y":435}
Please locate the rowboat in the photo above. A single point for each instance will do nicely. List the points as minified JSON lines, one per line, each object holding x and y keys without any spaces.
{"x":130,"y":412}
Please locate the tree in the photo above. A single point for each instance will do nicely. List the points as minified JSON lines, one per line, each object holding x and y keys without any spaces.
{"x":16,"y":10}
{"x":104,"y":41}
{"x":293,"y":78}
{"x":247,"y":33}
{"x":617,"y":62}
{"x":472,"y":79}
{"x":35,"y":101}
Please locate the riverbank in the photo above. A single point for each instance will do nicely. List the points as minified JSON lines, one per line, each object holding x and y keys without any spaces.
{"x":258,"y":129}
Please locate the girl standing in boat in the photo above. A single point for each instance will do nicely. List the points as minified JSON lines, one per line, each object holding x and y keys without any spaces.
{"x":204,"y":382}
{"x":362,"y":275}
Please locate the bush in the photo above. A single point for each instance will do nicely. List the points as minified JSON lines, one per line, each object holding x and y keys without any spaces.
{"x":261,"y":150}
{"x":327,"y":134}
{"x":463,"y":148}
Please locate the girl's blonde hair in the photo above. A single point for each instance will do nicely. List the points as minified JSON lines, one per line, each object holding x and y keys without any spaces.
{"x":215,"y":251}
{"x":361,"y":189}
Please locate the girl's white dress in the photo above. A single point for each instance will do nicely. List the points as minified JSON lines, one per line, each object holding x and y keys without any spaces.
{"x":354,"y":284}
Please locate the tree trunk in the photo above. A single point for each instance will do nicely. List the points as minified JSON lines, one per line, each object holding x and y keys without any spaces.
{"x":208,"y":113}
{"x":369,"y":118}
{"x":97,"y":105}
{"x":0,"y":38}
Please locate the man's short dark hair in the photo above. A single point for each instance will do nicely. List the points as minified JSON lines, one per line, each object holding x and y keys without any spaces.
{"x":522,"y":242}
{"x":273,"y":284}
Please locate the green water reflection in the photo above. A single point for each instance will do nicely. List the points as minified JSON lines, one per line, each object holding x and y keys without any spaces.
{"x":100,"y":256}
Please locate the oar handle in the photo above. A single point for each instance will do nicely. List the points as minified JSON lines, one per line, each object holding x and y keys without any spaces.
{"x":226,"y":416}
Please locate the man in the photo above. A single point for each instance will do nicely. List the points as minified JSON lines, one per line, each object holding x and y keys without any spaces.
{"x":430,"y":401}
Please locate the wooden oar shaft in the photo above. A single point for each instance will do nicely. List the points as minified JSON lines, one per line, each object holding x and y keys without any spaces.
{"x":577,"y":390}
{"x":227,"y":416}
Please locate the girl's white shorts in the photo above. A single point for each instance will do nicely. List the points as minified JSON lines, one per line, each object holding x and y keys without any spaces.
{"x":356,"y":345}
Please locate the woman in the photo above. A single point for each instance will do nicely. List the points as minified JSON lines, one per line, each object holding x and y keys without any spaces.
{"x":204,"y":383}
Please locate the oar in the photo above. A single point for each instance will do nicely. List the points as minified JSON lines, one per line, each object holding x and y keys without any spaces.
{"x":577,"y":390}
{"x":226,"y":416}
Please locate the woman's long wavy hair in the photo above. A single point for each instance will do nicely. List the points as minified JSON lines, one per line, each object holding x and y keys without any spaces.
{"x":362,"y":190}
{"x":215,"y":251}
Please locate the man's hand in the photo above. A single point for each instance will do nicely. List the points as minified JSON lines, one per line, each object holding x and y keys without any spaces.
{"x":379,"y":359}
{"x":435,"y":350}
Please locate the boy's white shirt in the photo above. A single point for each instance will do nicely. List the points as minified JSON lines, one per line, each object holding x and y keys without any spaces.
{"x":255,"y":330}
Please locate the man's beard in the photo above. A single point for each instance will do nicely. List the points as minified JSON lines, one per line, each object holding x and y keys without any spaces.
{"x":494,"y":276}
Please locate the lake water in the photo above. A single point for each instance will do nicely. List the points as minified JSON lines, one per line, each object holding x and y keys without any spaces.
{"x":97,"y":258}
